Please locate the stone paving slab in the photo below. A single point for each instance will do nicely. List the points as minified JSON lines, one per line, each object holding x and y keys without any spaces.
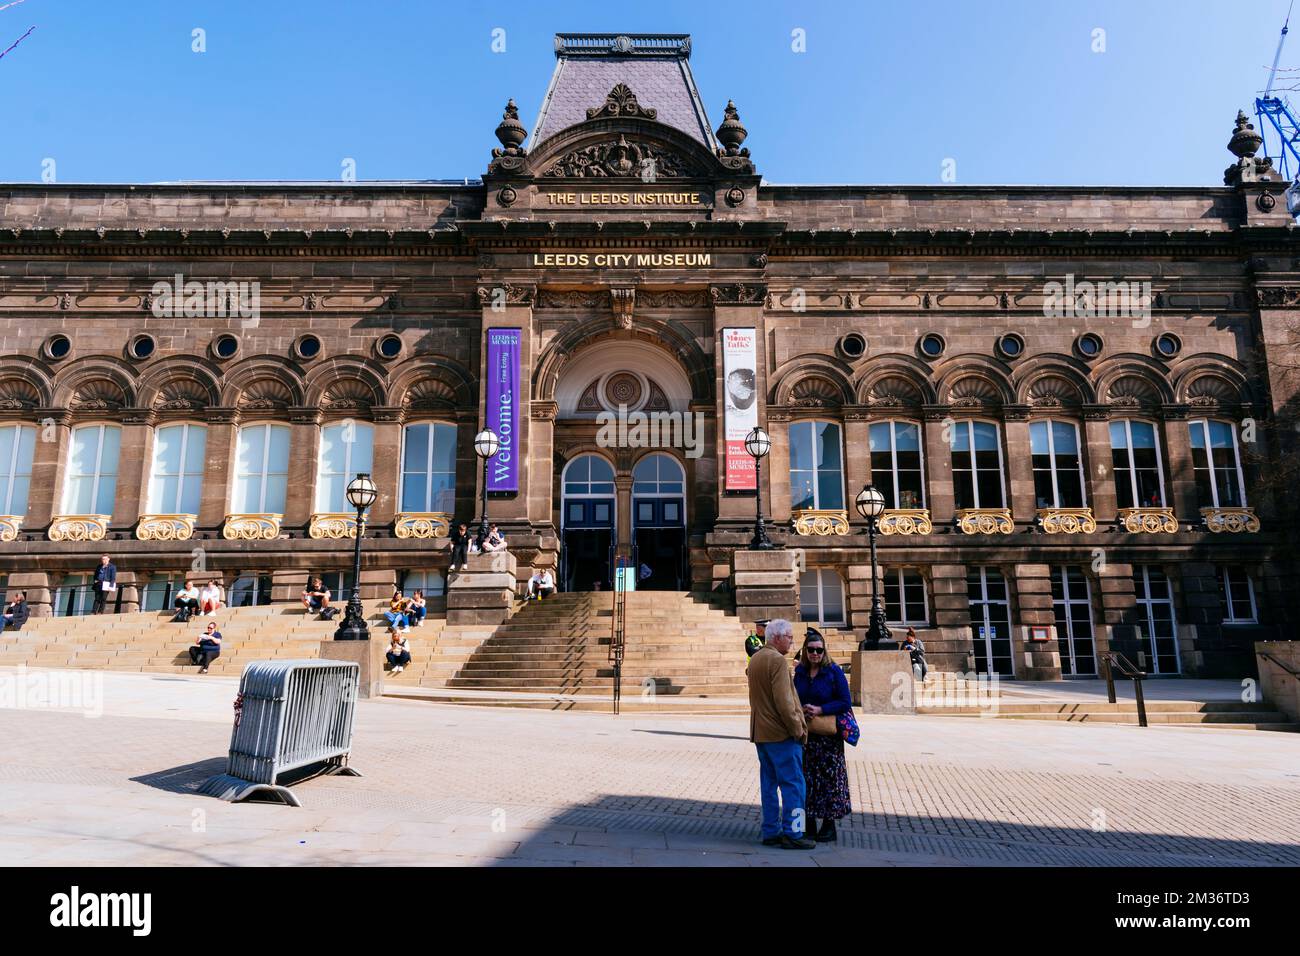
{"x":455,"y":785}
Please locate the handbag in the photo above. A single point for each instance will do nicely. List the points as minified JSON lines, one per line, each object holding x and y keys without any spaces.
{"x":848,"y":728}
{"x":824,"y":725}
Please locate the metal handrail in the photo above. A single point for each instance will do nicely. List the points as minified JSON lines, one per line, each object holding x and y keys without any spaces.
{"x":1286,"y":667}
{"x":618,"y":629}
{"x":1111,"y":660}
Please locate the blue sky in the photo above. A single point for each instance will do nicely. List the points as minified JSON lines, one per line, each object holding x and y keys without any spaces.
{"x":884,"y":93}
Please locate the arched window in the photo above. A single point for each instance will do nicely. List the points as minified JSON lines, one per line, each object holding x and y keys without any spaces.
{"x":821,"y":597}
{"x":346,"y":448}
{"x":1058,"y":466}
{"x":657,"y":474}
{"x":1135,"y":460}
{"x":17,"y":447}
{"x":816,"y":473}
{"x":429,"y":468}
{"x":261,"y":470}
{"x":588,"y":475}
{"x":92,"y":470}
{"x":896,"y":463}
{"x":977,"y":465}
{"x":1216,"y":464}
{"x":176,"y":479}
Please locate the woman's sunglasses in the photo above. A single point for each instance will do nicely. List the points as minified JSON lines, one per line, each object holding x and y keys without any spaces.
{"x":815,"y":650}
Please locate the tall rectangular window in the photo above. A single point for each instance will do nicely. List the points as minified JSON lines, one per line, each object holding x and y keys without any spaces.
{"x":1236,"y":596}
{"x":17,"y":447}
{"x":821,"y":597}
{"x":1058,"y":466}
{"x":92,"y":470}
{"x":905,"y":596}
{"x":429,"y":468}
{"x":1216,"y":464}
{"x":346,"y":449}
{"x":1155,"y":604}
{"x":261,"y":470}
{"x":1135,"y":461}
{"x":896,"y":463}
{"x":977,"y":465}
{"x":176,"y":480}
{"x":816,"y":475}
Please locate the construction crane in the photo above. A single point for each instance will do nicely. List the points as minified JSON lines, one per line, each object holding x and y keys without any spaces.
{"x":1280,"y":118}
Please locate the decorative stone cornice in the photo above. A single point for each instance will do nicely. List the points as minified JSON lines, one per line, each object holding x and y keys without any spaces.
{"x":304,"y":415}
{"x":422,"y":524}
{"x":623,"y":303}
{"x":490,"y":296}
{"x":1096,"y":413}
{"x":540,"y":411}
{"x":1277,"y":297}
{"x":1016,"y":413}
{"x":221,"y":415}
{"x":1066,"y":520}
{"x":1147,"y":520}
{"x":740,"y":293}
{"x":1231,"y":520}
{"x":388,"y":413}
{"x":138,"y":416}
{"x":179,"y":527}
{"x":78,"y":527}
{"x":572,"y":299}
{"x":251,"y":527}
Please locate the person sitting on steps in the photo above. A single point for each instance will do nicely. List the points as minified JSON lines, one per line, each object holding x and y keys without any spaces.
{"x":315,"y":596}
{"x":207,"y":648}
{"x":459,"y":546}
{"x":16,"y":613}
{"x":211,"y":597}
{"x":187,"y":603}
{"x":541,"y":584}
{"x":418,"y":608}
{"x":399,"y":650}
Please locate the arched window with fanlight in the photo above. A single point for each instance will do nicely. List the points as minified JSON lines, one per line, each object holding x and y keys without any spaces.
{"x":261,"y":470}
{"x":896,"y":467}
{"x":176,"y":477}
{"x":977,"y":465}
{"x":1135,"y":461}
{"x":1058,"y":466}
{"x":92,"y":470}
{"x":346,"y":449}
{"x":429,"y":468}
{"x":816,"y":466}
{"x":1216,"y":464}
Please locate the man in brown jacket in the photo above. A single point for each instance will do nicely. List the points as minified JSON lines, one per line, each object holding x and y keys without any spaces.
{"x":777,"y":728}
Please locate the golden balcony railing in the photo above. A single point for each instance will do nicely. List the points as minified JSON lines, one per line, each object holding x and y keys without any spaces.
{"x":820,"y":521}
{"x":985,"y":520}
{"x":9,"y":525}
{"x":422,"y":524}
{"x":251,"y":527}
{"x":333,"y":525}
{"x":1231,"y":520}
{"x":78,"y":527}
{"x":166,"y":527}
{"x":905,"y":521}
{"x":1148,"y":520}
{"x":1067,"y":520}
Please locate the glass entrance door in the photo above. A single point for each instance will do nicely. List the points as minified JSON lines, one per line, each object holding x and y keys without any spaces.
{"x":990,"y":621}
{"x":659,"y":523}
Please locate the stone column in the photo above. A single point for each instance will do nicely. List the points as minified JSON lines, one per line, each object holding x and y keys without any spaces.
{"x":133,"y":467}
{"x":1019,"y":467}
{"x":937,"y":467}
{"x":766,"y":584}
{"x":951,"y":647}
{"x":387,"y":469}
{"x":623,"y":508}
{"x":1033,"y":607}
{"x":1099,"y":480}
{"x":541,"y":457}
{"x":776,"y":468}
{"x":1115,"y":628}
{"x":129,"y":586}
{"x":1199,"y":617}
{"x":702,"y":499}
{"x":1178,"y":466}
{"x":304,"y":451}
{"x":220,"y":451}
{"x":857,"y":457}
{"x":49,"y":463}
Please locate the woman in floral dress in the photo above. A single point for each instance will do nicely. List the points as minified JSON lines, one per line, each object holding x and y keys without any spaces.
{"x":824,"y":691}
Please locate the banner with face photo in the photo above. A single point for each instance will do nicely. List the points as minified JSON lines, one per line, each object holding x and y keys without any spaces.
{"x":740,"y":416}
{"x":503,"y":407}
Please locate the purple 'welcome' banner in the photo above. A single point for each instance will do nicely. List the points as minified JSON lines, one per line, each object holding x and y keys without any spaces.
{"x":503,"y":407}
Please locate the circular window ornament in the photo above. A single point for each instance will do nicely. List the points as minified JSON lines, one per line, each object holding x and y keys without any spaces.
{"x":389,"y":347}
{"x":853,"y":345}
{"x":1168,"y":345}
{"x":1089,"y":345}
{"x":307,"y":347}
{"x":225,"y":347}
{"x":1011,"y":345}
{"x":141,"y":347}
{"x":57,"y":346}
{"x":931,"y":345}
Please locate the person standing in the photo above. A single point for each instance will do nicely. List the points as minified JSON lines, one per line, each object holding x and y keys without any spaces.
{"x":105,"y":583}
{"x":207,"y":648}
{"x":824,"y":693}
{"x":756,"y":640}
{"x":778,"y":730}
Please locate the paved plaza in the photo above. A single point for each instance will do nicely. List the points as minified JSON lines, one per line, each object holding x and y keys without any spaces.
{"x":480,"y":786}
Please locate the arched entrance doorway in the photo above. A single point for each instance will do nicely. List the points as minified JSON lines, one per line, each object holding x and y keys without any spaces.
{"x":659,"y":522}
{"x":588,"y":518}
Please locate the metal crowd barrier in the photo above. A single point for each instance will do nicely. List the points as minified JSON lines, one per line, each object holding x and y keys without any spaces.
{"x":290,"y":716}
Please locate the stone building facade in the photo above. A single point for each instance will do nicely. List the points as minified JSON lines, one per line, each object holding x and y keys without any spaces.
{"x":1063,"y":392}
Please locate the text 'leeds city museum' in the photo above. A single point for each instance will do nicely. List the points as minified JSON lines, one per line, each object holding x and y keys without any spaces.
{"x":1064,"y":394}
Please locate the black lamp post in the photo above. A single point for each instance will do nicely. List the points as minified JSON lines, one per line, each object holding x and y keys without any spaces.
{"x":871,"y":505}
{"x":361,"y":495}
{"x":757,"y":444}
{"x":486,"y":445}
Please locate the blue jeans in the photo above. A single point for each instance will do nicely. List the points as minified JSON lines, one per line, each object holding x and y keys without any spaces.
{"x":395,"y":618}
{"x":780,"y":767}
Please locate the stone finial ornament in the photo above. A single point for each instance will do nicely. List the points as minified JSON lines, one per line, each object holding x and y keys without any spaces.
{"x":731,"y":133}
{"x":510,"y":131}
{"x":1245,"y":141}
{"x":1244,"y":144}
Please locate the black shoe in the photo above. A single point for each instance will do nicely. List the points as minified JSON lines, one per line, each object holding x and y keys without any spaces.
{"x":796,"y":843}
{"x":772,"y":841}
{"x":827,"y":833}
